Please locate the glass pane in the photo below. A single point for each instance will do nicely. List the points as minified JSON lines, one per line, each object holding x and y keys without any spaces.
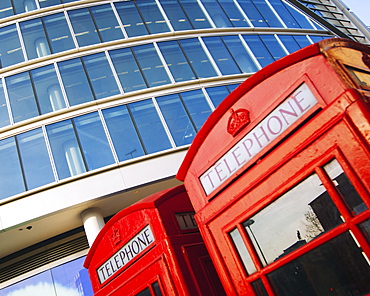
{"x":231,"y":87}
{"x":242,"y":251}
{"x":93,"y":140}
{"x":253,"y":14}
{"x":337,"y":267}
{"x":176,"y":15}
{"x":317,"y":38}
{"x":131,"y":19}
{"x":176,"y":61}
{"x":46,"y":3}
{"x":302,"y":41}
{"x":297,"y":217}
{"x":365,"y":227}
{"x":21,"y":97}
{"x":197,"y":106}
{"x":217,"y":94}
{"x":301,"y":19}
{"x":197,"y":57}
{"x":235,"y":16}
{"x":75,"y":82}
{"x":100,"y":75}
{"x":65,"y":149}
{"x":35,"y":159}
{"x":11,"y":179}
{"x":195,"y":14}
{"x":106,"y":22}
{"x":259,"y":288}
{"x":273,"y":46}
{"x":267,"y":13}
{"x":177,"y":119}
{"x":240,"y":54}
{"x":289,"y":42}
{"x":216,"y":13}
{"x":259,"y":50}
{"x":151,"y":66}
{"x":345,"y":187}
{"x":10,"y":49}
{"x":4,"y":116}
{"x":150,"y":127}
{"x":6,"y":8}
{"x":284,"y":14}
{"x":34,"y":39}
{"x":83,"y":27}
{"x":145,"y":292}
{"x":152,"y":16}
{"x":221,"y":55}
{"x":156,"y":288}
{"x":47,"y":88}
{"x":127,"y":70}
{"x":24,"y":5}
{"x":59,"y":35}
{"x":123,"y":133}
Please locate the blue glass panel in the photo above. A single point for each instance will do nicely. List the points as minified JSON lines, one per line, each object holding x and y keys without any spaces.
{"x":273,"y":46}
{"x":127,"y":70}
{"x":259,"y":50}
{"x":284,"y":14}
{"x":65,"y":149}
{"x":176,"y":61}
{"x":301,"y":19}
{"x":46,"y":3}
{"x":289,"y":42}
{"x":318,"y":38}
{"x":21,"y":97}
{"x":123,"y":133}
{"x":150,"y":127}
{"x":195,"y":14}
{"x":234,"y":14}
{"x":47,"y":88}
{"x":220,"y":19}
{"x":197,"y":106}
{"x":231,"y":87}
{"x":100,"y":75}
{"x":151,"y":66}
{"x":4,"y":116}
{"x":152,"y":16}
{"x":11,"y":179}
{"x":34,"y":39}
{"x":83,"y":27}
{"x":198,"y":58}
{"x":221,"y":55}
{"x":267,"y":13}
{"x":217,"y":94}
{"x":24,"y":5}
{"x":106,"y":22}
{"x":253,"y":14}
{"x":240,"y":54}
{"x":6,"y":8}
{"x":75,"y":82}
{"x":35,"y":159}
{"x":10,"y":49}
{"x":177,"y":119}
{"x":93,"y":141}
{"x":131,"y":19}
{"x":176,"y":15}
{"x":58,"y":32}
{"x":302,"y":40}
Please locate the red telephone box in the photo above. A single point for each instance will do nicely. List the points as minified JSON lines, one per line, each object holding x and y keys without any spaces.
{"x":279,"y":176}
{"x":153,"y":248}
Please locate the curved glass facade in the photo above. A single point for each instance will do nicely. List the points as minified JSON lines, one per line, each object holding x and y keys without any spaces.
{"x":87,"y":86}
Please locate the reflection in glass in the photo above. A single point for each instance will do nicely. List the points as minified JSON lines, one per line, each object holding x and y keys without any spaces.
{"x":234,"y":15}
{"x":365,"y":227}
{"x":217,"y":94}
{"x":290,"y":43}
{"x":253,"y":14}
{"x":152,"y":16}
{"x":302,"y":40}
{"x":217,"y":14}
{"x":150,"y":127}
{"x":176,"y":15}
{"x":6,"y":8}
{"x":10,"y":49}
{"x":11,"y":180}
{"x":4,"y":116}
{"x":195,"y":14}
{"x":337,"y":267}
{"x":177,"y":119}
{"x":259,"y":50}
{"x":273,"y":46}
{"x":35,"y":159}
{"x":131,"y":19}
{"x":345,"y":187}
{"x":298,"y":216}
{"x":242,"y":251}
{"x":123,"y":133}
{"x":34,"y":39}
{"x":21,"y":6}
{"x":284,"y":13}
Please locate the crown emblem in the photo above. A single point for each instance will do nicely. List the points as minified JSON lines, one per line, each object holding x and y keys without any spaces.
{"x":115,"y":236}
{"x":237,"y":121}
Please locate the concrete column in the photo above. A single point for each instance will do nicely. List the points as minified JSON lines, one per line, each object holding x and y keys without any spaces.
{"x":93,"y":223}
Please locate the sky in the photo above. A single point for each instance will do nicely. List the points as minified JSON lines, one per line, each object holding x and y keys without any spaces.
{"x":361,"y":8}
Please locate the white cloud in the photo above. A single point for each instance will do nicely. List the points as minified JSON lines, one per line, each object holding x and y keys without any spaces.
{"x":44,"y":289}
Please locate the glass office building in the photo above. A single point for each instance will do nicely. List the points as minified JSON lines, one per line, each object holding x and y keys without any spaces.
{"x":99,"y":101}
